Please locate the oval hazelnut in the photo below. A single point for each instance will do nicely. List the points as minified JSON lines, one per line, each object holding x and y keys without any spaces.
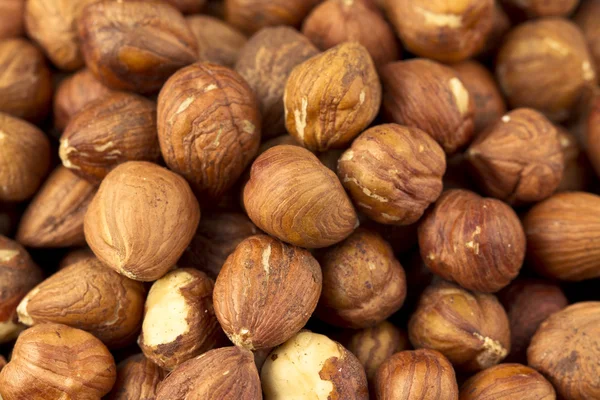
{"x":251,"y":15}
{"x":137,"y":378}
{"x":593,"y":135}
{"x":188,"y":6}
{"x":541,"y":8}
{"x":12,"y":21}
{"x":218,"y":42}
{"x":587,"y":19}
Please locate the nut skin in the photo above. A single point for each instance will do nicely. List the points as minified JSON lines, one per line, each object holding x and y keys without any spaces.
{"x":527,"y":81}
{"x":212,"y":107}
{"x":228,"y":372}
{"x":572,"y":366}
{"x":317,"y":212}
{"x":587,"y":19}
{"x":540,"y":8}
{"x":111,"y":35}
{"x":266,"y":292}
{"x":54,"y":218}
{"x":323,"y":114}
{"x":363,"y":283}
{"x":137,"y":378}
{"x":474,"y":241}
{"x":156,"y":219}
{"x":265,"y":62}
{"x":112,"y":130}
{"x":440,"y":30}
{"x":408,"y":99}
{"x":12,"y":21}
{"x":593,"y":135}
{"x":424,"y":374}
{"x":218,"y":42}
{"x":563,"y":236}
{"x":312,"y":366}
{"x":52,"y":361}
{"x":393,"y":173}
{"x":470,"y":328}
{"x":507,"y":382}
{"x":250,"y":16}
{"x":188,"y":6}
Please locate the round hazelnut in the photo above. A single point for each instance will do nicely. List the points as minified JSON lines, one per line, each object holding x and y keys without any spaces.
{"x":188,"y":6}
{"x":540,"y":8}
{"x":578,"y":174}
{"x":252,"y":15}
{"x":137,"y":378}
{"x":393,"y":173}
{"x":141,"y":220}
{"x":312,"y":366}
{"x":218,"y":42}
{"x":471,"y":329}
{"x":135,"y":45}
{"x":74,"y":256}
{"x":587,"y":19}
{"x":476,"y":242}
{"x":545,"y":64}
{"x":430,"y":96}
{"x":566,"y":350}
{"x":419,"y":374}
{"x":593,"y":135}
{"x":322,"y":113}
{"x":12,"y":21}
{"x":363,"y":283}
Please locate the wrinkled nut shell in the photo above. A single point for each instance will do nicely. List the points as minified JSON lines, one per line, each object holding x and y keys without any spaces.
{"x":137,"y":378}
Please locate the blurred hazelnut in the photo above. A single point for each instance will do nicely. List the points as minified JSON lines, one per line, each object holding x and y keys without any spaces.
{"x":218,"y":42}
{"x":10,"y":213}
{"x":260,"y":356}
{"x":593,"y":135}
{"x":74,"y":256}
{"x":188,"y":6}
{"x":540,"y":8}
{"x":252,"y":15}
{"x":137,"y":378}
{"x":12,"y":22}
{"x":401,"y":238}
{"x":587,"y":18}
{"x":285,"y":140}
{"x":501,"y":24}
{"x":578,"y":173}
{"x":457,"y":173}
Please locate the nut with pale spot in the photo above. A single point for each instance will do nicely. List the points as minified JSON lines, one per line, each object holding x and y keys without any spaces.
{"x":137,"y":378}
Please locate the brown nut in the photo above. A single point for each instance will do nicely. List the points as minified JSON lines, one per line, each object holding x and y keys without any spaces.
{"x":322,"y":113}
{"x":501,"y":24}
{"x":523,"y":71}
{"x":2,"y":362}
{"x":218,"y":42}
{"x":393,"y":173}
{"x":424,"y":374}
{"x":593,"y":135}
{"x":266,"y":292}
{"x":295,"y":198}
{"x":188,"y":6}
{"x":156,"y":217}
{"x":12,"y":21}
{"x":265,"y":62}
{"x":285,"y":140}
{"x":312,"y":366}
{"x":430,"y":96}
{"x":444,"y":31}
{"x":471,"y":329}
{"x":540,"y":8}
{"x":566,"y":350}
{"x":474,"y":241}
{"x":54,"y":218}
{"x":563,"y":236}
{"x":75,"y":256}
{"x":587,"y":19}
{"x":10,"y":213}
{"x":578,"y":174}
{"x":251,"y":15}
{"x":137,"y":378}
{"x":54,"y":361}
{"x":135,"y":45}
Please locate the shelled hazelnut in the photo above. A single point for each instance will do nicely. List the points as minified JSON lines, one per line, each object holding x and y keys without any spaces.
{"x":252,"y":15}
{"x":137,"y":378}
{"x":540,"y":8}
{"x":587,"y":19}
{"x":188,"y":6}
{"x":578,"y":174}
{"x":12,"y":21}
{"x":592,"y":138}
{"x":218,"y":42}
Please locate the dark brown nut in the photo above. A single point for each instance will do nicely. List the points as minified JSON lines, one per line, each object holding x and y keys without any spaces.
{"x":444,"y":31}
{"x":188,"y":6}
{"x":12,"y":21}
{"x":540,"y":8}
{"x":24,"y":158}
{"x":292,"y":196}
{"x":430,"y":96}
{"x":471,"y":329}
{"x":593,"y":135}
{"x":2,"y":362}
{"x":393,"y":173}
{"x":253,"y":15}
{"x":474,"y":241}
{"x":156,"y":217}
{"x":266,"y":292}
{"x":137,"y":378}
{"x":363,"y":283}
{"x":283,"y":140}
{"x":330,"y":158}
{"x":25,"y":83}
{"x":423,"y":374}
{"x":505,"y":382}
{"x":265,"y":62}
{"x":135,"y":45}
{"x":218,"y":42}
{"x":112,"y":130}
{"x":74,"y":256}
{"x":457,"y":174}
{"x":566,"y":349}
{"x":401,"y":238}
{"x":527,"y":81}
{"x":500,"y":26}
{"x":322,"y":113}
{"x":10,"y":213}
{"x":528,"y":302}
{"x":54,"y":218}
{"x":563,"y":236}
{"x":578,"y":174}
{"x":313,"y":367}
{"x":211,"y":107}
{"x":587,"y":18}
{"x":53,"y":361}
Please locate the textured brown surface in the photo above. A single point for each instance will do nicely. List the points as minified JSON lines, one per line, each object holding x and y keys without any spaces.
{"x":593,"y":135}
{"x":541,"y":8}
{"x":12,"y":21}
{"x":137,"y":379}
{"x":252,"y":15}
{"x":587,"y":19}
{"x":188,"y":6}
{"x":218,"y":42}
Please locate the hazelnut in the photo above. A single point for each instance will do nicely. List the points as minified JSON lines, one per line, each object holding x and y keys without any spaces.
{"x":430,"y":96}
{"x":252,"y":15}
{"x":54,"y":218}
{"x":156,"y":217}
{"x":135,"y":45}
{"x":74,"y":256}
{"x":312,"y":366}
{"x":423,"y":374}
{"x":501,"y":24}
{"x":563,"y":236}
{"x":593,"y":135}
{"x":218,"y":42}
{"x":363,"y":283}
{"x":54,"y":361}
{"x":266,"y":292}
{"x":295,"y":198}
{"x":137,"y":378}
{"x":265,"y":62}
{"x":393,"y":173}
{"x":401,"y":238}
{"x":474,"y":241}
{"x":578,"y":173}
{"x":506,"y":382}
{"x":287,"y":140}
{"x":540,"y":8}
{"x":470,"y":328}
{"x":444,"y":31}
{"x":24,"y":158}
{"x":545,"y":64}
{"x":188,"y":6}
{"x":12,"y":20}
{"x":565,"y":349}
{"x":322,"y":113}
{"x":225,"y":373}
{"x":587,"y":19}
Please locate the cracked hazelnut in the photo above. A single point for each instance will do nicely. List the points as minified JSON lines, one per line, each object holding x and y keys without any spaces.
{"x":593,"y":135}
{"x":137,"y":378}
{"x":540,"y":8}
{"x":12,"y":21}
{"x":587,"y":19}
{"x":252,"y":15}
{"x":188,"y":6}
{"x":218,"y":42}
